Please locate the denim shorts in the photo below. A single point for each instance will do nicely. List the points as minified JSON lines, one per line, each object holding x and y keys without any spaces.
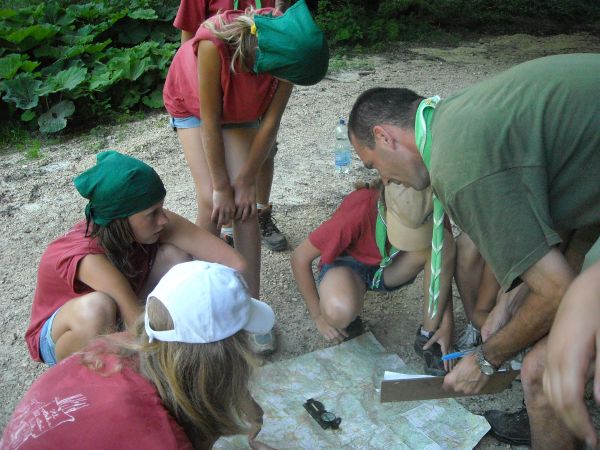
{"x":47,"y":345}
{"x":364,"y":271}
{"x":194,"y":122}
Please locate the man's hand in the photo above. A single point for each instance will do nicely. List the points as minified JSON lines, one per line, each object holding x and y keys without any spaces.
{"x":466,"y":377}
{"x":573,"y":346}
{"x":328,"y":332}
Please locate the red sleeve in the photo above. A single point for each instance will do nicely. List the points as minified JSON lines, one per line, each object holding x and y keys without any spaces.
{"x":190,"y":15}
{"x":338,"y":233}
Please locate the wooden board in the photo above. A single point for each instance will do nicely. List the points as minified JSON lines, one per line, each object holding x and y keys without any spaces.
{"x":428,"y":388}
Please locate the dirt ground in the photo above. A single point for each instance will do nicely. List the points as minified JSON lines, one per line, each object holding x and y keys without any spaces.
{"x":38,"y":201}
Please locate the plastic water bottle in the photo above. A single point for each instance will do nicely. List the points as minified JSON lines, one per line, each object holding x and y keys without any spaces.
{"x":343,"y":151}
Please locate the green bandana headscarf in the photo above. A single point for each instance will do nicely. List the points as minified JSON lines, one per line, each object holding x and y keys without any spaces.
{"x":291,"y":46}
{"x":423,"y":140}
{"x":118,"y":186}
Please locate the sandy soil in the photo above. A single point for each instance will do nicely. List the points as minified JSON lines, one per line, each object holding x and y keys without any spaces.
{"x":38,"y":201}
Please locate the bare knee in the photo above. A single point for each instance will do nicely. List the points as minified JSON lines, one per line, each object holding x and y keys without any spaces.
{"x":169,"y":255}
{"x":94,"y":314}
{"x":337,"y":312}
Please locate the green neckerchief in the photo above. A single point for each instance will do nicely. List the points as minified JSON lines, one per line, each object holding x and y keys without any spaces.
{"x":381,"y":239}
{"x":236,"y":4}
{"x":423,"y":141}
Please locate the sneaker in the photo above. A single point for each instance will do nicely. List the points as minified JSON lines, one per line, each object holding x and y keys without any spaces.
{"x":271,"y":236}
{"x":468,"y":338}
{"x":355,"y":328}
{"x":262,"y":344}
{"x":512,"y":428}
{"x":432,"y":356}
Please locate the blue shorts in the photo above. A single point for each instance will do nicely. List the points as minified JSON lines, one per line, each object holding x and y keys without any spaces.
{"x":194,"y":122}
{"x":364,"y":271}
{"x":47,"y":345}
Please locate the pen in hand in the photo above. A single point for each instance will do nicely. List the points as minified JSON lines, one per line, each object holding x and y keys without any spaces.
{"x":456,"y":355}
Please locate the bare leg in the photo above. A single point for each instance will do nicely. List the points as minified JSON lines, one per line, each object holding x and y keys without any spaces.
{"x":191,"y":141}
{"x":245,"y":234}
{"x":80,"y":320}
{"x":264,"y":180}
{"x":342,"y":294}
{"x":167,"y":256}
{"x":547,"y":430}
{"x":469,"y":269}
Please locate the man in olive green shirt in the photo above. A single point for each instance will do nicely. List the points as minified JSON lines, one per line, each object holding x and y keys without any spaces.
{"x":515,"y":161}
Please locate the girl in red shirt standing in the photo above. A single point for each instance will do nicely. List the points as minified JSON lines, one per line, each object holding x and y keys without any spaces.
{"x":226,"y":91}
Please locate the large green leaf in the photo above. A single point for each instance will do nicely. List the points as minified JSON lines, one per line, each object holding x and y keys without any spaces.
{"x":143,"y":13}
{"x":138,"y":67}
{"x":130,"y":98}
{"x":36,"y":32}
{"x":154,"y":100}
{"x":56,"y":118}
{"x":67,"y":79}
{"x":22,"y":91}
{"x":7,"y":13}
{"x":9,"y":65}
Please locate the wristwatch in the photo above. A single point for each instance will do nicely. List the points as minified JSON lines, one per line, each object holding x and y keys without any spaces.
{"x":486,"y":367}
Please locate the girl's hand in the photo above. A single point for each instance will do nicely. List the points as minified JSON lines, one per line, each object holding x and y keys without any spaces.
{"x":328,"y":332}
{"x":223,"y":206}
{"x":443,"y":336}
{"x":245,"y":198}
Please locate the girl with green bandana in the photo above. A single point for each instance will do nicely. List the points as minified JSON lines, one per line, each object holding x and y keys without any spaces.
{"x":92,"y":278}
{"x":356,"y":256}
{"x":226,"y":91}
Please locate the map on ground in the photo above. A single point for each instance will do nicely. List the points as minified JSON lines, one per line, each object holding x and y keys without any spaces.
{"x":346,"y":378}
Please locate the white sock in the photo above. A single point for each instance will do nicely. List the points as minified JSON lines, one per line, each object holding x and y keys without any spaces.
{"x":227,"y":230}
{"x":423,"y":332}
{"x":261,"y":206}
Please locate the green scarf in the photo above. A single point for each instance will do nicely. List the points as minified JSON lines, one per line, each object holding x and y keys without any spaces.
{"x":381,"y":239}
{"x":423,"y":141}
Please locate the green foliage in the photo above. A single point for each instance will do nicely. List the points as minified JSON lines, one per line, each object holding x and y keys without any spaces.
{"x":75,"y":61}
{"x":373,"y":23}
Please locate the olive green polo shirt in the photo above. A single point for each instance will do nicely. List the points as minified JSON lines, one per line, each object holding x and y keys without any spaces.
{"x":516,"y":158}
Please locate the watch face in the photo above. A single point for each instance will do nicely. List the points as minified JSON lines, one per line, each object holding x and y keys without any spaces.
{"x":327,"y":417}
{"x":487,"y":370}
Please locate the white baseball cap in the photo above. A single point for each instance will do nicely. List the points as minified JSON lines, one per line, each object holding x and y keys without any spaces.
{"x":208,"y":302}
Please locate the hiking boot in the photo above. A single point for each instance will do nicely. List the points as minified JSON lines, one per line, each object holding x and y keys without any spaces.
{"x":432,"y":356}
{"x":271,"y":236}
{"x":355,"y":328}
{"x":512,"y":428}
{"x":262,"y":344}
{"x":468,"y":338}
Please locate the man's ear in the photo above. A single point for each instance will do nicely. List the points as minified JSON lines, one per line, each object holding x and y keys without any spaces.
{"x":381,"y":135}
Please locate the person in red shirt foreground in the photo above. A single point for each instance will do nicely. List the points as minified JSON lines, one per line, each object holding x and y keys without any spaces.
{"x":190,"y":15}
{"x":226,"y":91}
{"x":376,"y":241}
{"x":90,"y":281}
{"x":181,"y":382}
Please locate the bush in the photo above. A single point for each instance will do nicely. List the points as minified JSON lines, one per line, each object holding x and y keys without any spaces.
{"x":93,"y":58}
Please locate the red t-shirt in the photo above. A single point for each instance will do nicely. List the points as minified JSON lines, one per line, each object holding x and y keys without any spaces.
{"x":73,"y":407}
{"x":245,"y":96}
{"x":192,"y":13}
{"x":57,"y":278}
{"x":350,"y":230}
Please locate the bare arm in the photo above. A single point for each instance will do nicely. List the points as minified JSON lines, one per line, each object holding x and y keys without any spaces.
{"x":262,"y":143}
{"x":302,"y":259}
{"x":211,"y":97}
{"x":547,"y":280}
{"x":101,"y":275}
{"x":199,"y":243}
{"x":186,"y":36}
{"x":572,"y":351}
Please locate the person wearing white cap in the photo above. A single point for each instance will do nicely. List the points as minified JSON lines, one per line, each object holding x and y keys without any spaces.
{"x":180,"y":382}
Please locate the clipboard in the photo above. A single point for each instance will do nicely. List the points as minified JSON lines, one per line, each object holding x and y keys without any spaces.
{"x":429,"y":388}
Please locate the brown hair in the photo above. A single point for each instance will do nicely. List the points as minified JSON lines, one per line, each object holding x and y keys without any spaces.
{"x":377,"y":106}
{"x":238,"y":36}
{"x":118,"y":241}
{"x":204,"y":386}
